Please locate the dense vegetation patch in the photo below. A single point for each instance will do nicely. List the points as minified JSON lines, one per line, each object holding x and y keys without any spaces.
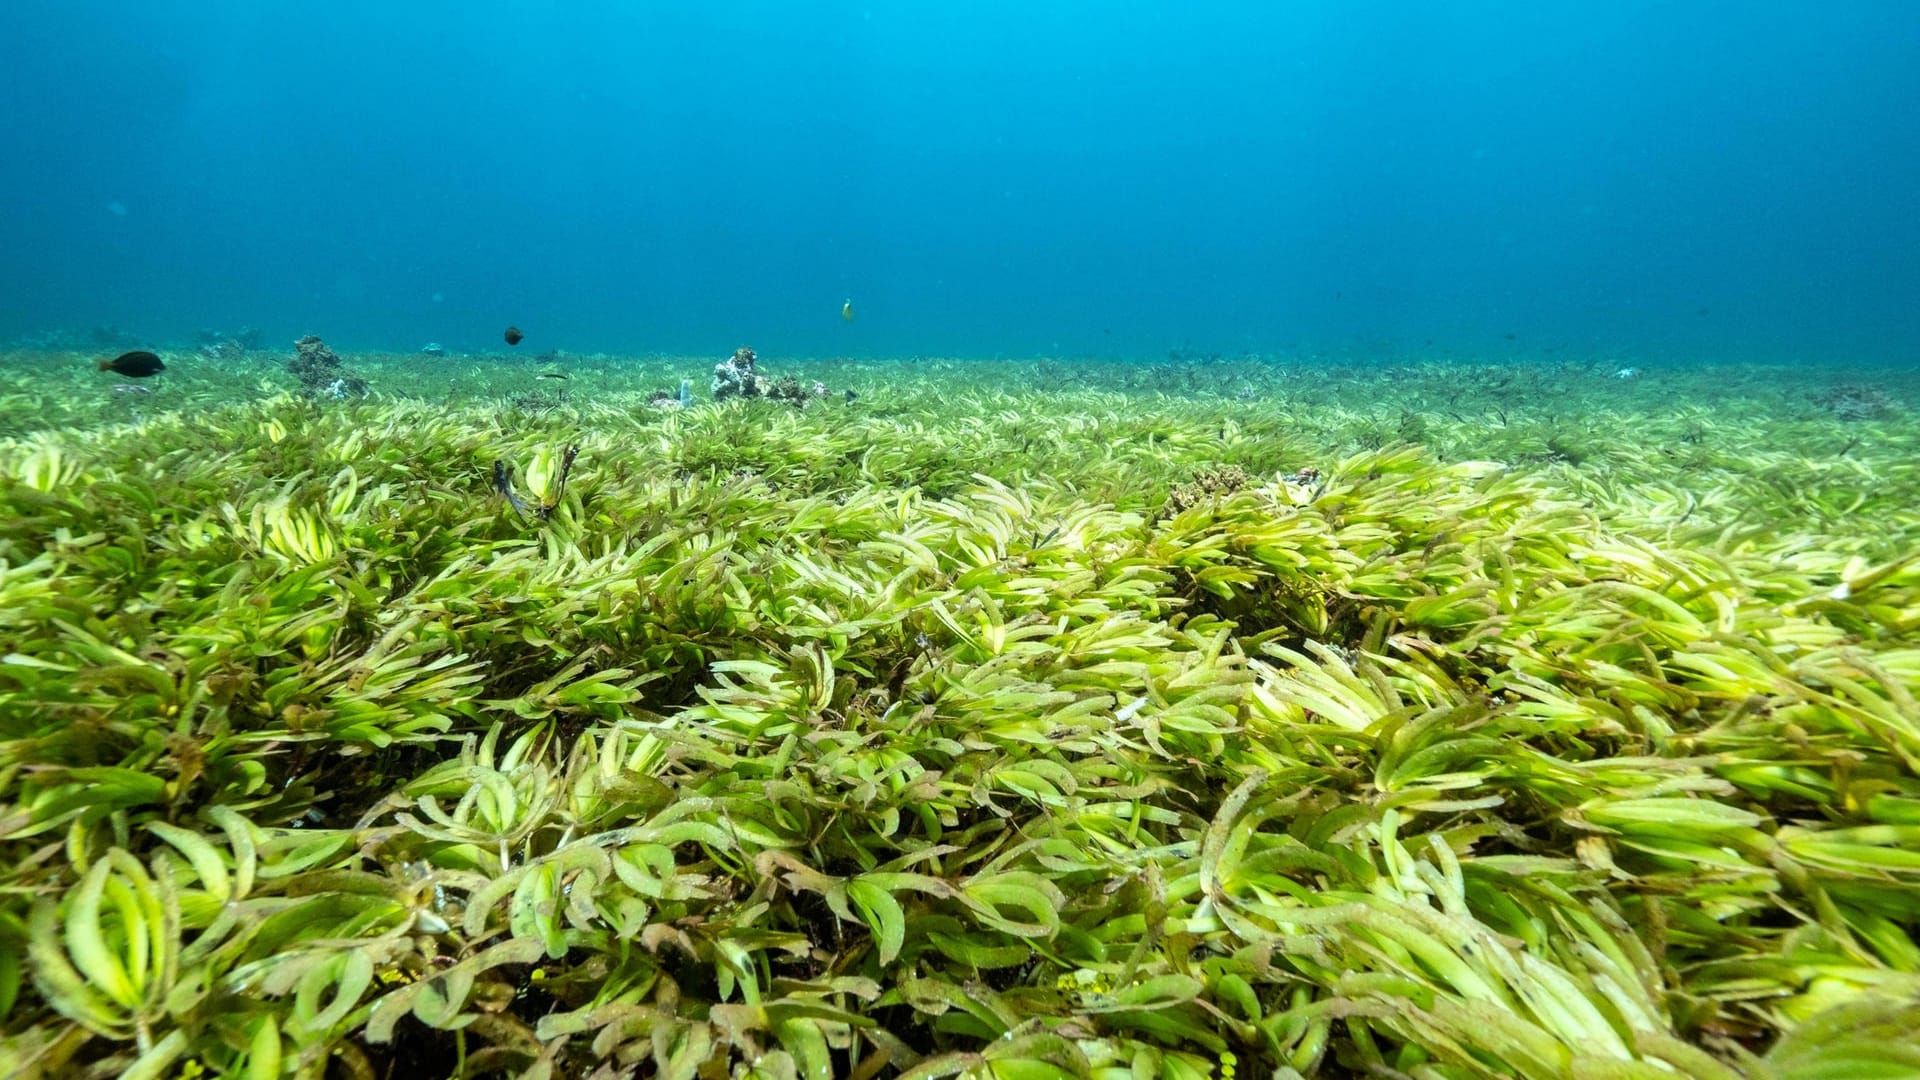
{"x":1010,"y":720}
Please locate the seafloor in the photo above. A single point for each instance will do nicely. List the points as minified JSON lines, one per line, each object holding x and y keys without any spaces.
{"x":1025,"y":720}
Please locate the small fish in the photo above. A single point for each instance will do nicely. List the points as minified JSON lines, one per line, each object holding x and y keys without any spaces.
{"x":546,"y":509}
{"x":134,"y":365}
{"x":503,"y":484}
{"x":514,"y":336}
{"x":846,"y":311}
{"x":132,"y":388}
{"x":551,"y":375}
{"x":851,"y":396}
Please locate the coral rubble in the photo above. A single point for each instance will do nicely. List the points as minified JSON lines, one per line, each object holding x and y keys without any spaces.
{"x":321,"y":373}
{"x":1855,"y":401}
{"x":736,"y":376}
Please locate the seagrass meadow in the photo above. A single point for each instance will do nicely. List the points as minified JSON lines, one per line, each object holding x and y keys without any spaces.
{"x":1013,"y":720}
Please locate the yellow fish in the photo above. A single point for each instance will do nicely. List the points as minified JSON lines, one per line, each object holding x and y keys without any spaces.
{"x":846,"y":311}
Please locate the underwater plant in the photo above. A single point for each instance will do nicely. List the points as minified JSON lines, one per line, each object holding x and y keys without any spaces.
{"x":1009,"y":729}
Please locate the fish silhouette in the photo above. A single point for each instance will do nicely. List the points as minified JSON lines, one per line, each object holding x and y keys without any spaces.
{"x":135,"y":365}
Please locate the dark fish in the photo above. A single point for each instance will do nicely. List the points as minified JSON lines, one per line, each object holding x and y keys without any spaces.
{"x":852,"y":397}
{"x":546,"y":509}
{"x":551,"y":375}
{"x":503,"y":484}
{"x":514,"y":336}
{"x":134,"y":365}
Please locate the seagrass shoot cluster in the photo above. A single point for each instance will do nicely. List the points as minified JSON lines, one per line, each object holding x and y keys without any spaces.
{"x":1003,"y":723}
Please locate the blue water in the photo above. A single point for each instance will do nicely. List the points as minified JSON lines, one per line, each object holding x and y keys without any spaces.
{"x":1714,"y":180}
